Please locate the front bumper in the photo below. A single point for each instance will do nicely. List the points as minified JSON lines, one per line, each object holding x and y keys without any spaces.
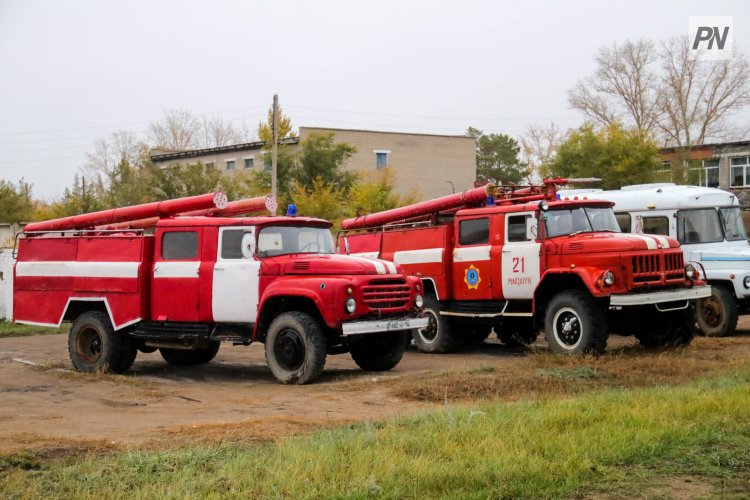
{"x":639,"y":299}
{"x":383,"y":325}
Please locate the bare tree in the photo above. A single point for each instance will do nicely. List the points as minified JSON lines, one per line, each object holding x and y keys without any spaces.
{"x":623,"y":86}
{"x":538,"y":147}
{"x":697,"y":96}
{"x":178,"y":130}
{"x":109,"y":152}
{"x":664,"y":92}
{"x":217,"y":132}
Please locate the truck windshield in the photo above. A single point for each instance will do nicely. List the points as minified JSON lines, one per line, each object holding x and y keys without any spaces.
{"x":699,"y":225}
{"x":734,"y":228}
{"x":283,"y":240}
{"x":560,"y":222}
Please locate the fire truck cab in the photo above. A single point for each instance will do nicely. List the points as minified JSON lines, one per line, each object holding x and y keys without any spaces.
{"x":708,"y":224}
{"x":524,"y":261}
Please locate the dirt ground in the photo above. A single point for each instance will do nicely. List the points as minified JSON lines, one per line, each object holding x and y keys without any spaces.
{"x":44,"y":403}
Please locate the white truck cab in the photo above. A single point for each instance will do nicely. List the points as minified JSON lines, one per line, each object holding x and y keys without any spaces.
{"x":708,"y":224}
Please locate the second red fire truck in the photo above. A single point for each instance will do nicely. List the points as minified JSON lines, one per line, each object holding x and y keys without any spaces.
{"x":518,"y":259}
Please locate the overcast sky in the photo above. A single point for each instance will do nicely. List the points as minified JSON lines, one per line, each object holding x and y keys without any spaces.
{"x":73,"y":71}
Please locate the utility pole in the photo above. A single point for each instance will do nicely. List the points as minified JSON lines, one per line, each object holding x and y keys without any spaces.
{"x":274,"y":146}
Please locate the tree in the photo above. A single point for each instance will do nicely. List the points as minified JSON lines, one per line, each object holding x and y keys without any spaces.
{"x":178,"y":130}
{"x":16,"y":204}
{"x":663,"y":91}
{"x":108,"y":153}
{"x":497,"y":157}
{"x":612,"y":153}
{"x":375,"y":193}
{"x":216,"y":132}
{"x":320,"y":157}
{"x":539,"y":146}
{"x":283,"y":122}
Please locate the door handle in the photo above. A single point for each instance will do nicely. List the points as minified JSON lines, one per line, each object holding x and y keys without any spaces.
{"x":218,"y":268}
{"x":506,"y":251}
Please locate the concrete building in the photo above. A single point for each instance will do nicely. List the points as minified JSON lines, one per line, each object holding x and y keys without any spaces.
{"x":724,"y":165}
{"x":430,"y":165}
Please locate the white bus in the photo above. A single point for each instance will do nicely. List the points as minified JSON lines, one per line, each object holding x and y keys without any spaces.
{"x":708,"y":224}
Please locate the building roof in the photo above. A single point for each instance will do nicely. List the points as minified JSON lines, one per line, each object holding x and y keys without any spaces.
{"x":194,"y":153}
{"x":674,"y":149}
{"x":365,"y":131}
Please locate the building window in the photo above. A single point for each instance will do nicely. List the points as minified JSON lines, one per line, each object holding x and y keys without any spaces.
{"x":664,"y":172}
{"x":249,"y":162}
{"x":710,"y":173}
{"x":381,"y":157}
{"x":230,"y":164}
{"x":209,"y":164}
{"x":740,"y":171}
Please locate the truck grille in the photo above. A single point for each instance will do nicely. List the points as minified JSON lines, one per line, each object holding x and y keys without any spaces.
{"x":657,"y":267}
{"x":386,"y":294}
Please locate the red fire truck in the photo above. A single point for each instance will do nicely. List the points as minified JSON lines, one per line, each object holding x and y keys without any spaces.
{"x":142,"y":278}
{"x":518,"y":259}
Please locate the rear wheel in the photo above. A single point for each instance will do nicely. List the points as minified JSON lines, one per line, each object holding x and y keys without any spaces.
{"x":188,"y":357}
{"x":717,"y":314}
{"x":437,"y":336}
{"x":574,"y":323}
{"x":295,"y":348}
{"x":476,"y":334}
{"x":379,"y":352}
{"x":93,"y":345}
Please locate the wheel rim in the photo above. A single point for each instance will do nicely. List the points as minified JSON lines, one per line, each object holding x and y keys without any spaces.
{"x":289,"y":350}
{"x":712,"y":312}
{"x":89,"y":345}
{"x":567,"y":328}
{"x":429,"y":333}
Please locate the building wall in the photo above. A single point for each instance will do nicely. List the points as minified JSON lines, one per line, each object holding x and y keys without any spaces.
{"x":430,"y":165}
{"x":220,"y":159}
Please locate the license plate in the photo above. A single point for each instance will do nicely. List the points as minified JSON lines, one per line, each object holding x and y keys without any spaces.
{"x":398,"y":325}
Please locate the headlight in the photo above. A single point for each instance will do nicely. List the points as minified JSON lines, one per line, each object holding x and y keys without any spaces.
{"x":690,"y":271}
{"x":419,"y":300}
{"x":351,"y":305}
{"x":746,"y":282}
{"x":609,"y":278}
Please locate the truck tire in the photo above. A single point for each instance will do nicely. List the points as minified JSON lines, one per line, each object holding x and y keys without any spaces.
{"x":575,"y":324}
{"x":189,"y":357}
{"x":669,"y":329}
{"x":94,"y":346}
{"x":295,"y":348}
{"x":436,"y":337}
{"x":717,"y":314}
{"x":476,"y":334}
{"x":379,"y":352}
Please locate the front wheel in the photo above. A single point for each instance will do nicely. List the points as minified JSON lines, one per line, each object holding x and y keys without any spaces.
{"x":295,"y":348}
{"x":437,"y":336}
{"x":717,"y":314}
{"x":94,"y":346}
{"x":379,"y":352}
{"x":189,"y":357}
{"x":574,"y":323}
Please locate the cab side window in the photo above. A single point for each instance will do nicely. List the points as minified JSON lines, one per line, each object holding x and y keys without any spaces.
{"x":656,"y":225}
{"x":179,"y":245}
{"x":474,"y":231}
{"x":517,"y":228}
{"x":231,"y":243}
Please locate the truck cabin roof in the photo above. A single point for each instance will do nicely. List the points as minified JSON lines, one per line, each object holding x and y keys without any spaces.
{"x":534,"y":205}
{"x":243,"y":221}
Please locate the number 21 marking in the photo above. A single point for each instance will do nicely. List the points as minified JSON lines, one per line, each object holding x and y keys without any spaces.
{"x":519,"y":261}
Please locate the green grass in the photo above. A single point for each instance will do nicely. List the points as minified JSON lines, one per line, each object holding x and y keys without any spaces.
{"x":615,"y":442}
{"x":10,"y":329}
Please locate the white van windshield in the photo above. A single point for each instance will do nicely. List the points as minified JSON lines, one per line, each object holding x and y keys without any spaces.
{"x":580,"y":220}
{"x":734,"y":228}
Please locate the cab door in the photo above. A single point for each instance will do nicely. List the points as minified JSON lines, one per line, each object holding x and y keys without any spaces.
{"x":236,"y":277}
{"x":520,"y":256}
{"x":176,"y":274}
{"x":472,"y":259}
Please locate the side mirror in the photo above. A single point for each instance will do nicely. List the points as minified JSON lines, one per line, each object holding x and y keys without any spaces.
{"x":531,"y":228}
{"x":248,"y":245}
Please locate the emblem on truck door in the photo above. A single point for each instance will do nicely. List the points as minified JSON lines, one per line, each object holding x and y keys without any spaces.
{"x":472,"y":278}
